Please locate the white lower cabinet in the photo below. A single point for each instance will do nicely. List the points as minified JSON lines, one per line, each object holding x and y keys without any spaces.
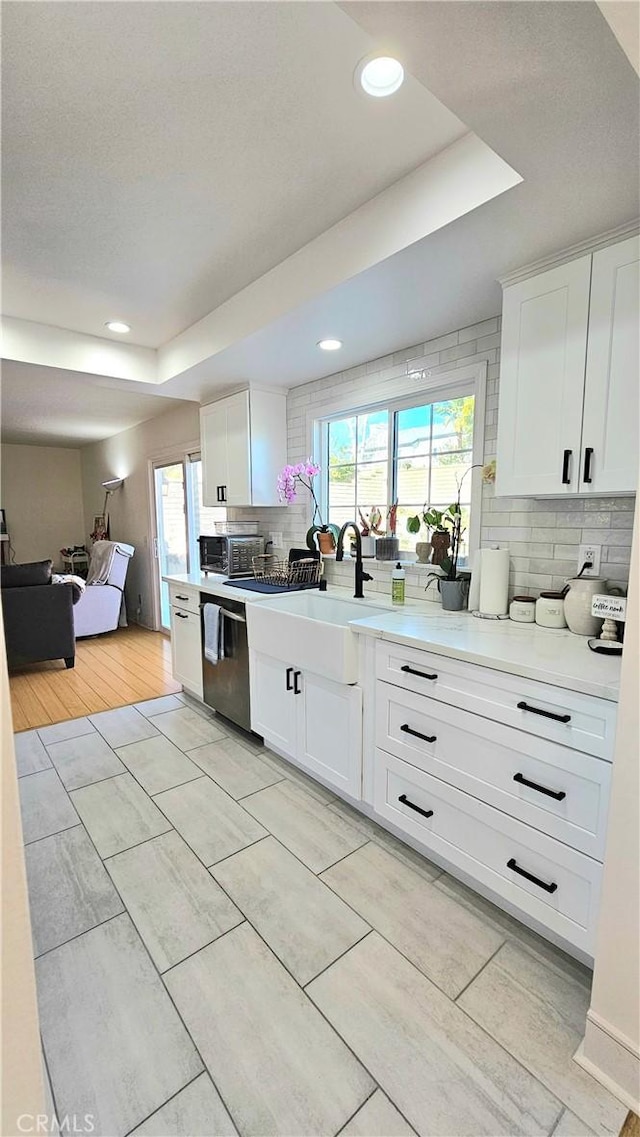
{"x":548,"y":880}
{"x":186,"y":648}
{"x":314,"y":721}
{"x":273,"y":706}
{"x":502,"y":779}
{"x":550,"y":787}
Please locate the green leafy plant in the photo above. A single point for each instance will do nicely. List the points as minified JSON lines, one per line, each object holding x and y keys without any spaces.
{"x":449,"y":521}
{"x":435,"y":519}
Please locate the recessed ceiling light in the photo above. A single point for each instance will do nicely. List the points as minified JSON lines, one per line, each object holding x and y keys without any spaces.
{"x":329,"y":345}
{"x":380,"y":76}
{"x":118,"y":326}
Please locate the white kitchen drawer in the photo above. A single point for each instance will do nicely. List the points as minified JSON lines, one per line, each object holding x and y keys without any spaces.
{"x":590,"y":724}
{"x":484,"y":758}
{"x":489,"y":846}
{"x":182,"y":596}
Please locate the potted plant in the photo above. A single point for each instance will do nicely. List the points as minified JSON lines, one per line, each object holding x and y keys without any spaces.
{"x":368,"y":526}
{"x":388,"y":547}
{"x":434,"y":521}
{"x":320,"y":536}
{"x":448,"y":526}
{"x":451,"y":586}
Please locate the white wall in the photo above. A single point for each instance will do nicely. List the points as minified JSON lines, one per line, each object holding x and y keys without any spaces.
{"x":127,"y":455}
{"x":41,"y":494}
{"x":22,"y":1075}
{"x":612,"y":1042}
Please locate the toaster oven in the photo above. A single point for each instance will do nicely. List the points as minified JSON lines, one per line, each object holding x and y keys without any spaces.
{"x":230,"y":555}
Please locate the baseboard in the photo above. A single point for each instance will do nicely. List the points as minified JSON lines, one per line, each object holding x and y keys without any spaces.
{"x":612,"y":1059}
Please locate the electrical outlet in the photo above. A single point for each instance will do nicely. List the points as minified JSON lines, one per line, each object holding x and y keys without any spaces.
{"x":277,"y":539}
{"x":590,"y":553}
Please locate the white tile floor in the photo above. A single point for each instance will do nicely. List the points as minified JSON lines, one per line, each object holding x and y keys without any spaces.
{"x":223,"y":947}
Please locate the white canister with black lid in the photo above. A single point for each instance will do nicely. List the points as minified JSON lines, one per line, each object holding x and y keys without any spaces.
{"x":522,"y":609}
{"x":550,"y":610}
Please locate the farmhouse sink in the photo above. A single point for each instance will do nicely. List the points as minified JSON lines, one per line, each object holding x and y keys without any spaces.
{"x":310,"y":631}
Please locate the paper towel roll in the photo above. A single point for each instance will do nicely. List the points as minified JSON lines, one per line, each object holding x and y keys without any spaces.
{"x":494,"y":582}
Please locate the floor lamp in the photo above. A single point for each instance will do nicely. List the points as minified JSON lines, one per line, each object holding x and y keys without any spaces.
{"x":109,"y":487}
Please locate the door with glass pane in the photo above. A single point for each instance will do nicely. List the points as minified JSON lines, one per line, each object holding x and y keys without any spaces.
{"x":171,"y":529}
{"x":180,"y":519}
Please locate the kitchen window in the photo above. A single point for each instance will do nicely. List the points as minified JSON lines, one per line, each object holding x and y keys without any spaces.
{"x":414,"y":453}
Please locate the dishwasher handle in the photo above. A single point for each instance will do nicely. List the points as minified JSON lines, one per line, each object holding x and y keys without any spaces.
{"x":229,"y":615}
{"x":232,"y":616}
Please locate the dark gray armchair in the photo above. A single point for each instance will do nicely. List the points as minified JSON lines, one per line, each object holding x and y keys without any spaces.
{"x":38,"y":615}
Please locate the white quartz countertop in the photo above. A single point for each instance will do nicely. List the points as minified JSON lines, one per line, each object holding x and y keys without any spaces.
{"x":552,"y":656}
{"x":214,"y":584}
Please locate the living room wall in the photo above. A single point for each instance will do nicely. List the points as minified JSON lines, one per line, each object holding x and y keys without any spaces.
{"x":127,"y":455}
{"x":41,"y":494}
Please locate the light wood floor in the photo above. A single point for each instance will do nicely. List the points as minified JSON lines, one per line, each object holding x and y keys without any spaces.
{"x":125,"y":666}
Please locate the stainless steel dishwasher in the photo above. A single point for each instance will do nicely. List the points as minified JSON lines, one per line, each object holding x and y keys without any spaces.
{"x":226,"y":683}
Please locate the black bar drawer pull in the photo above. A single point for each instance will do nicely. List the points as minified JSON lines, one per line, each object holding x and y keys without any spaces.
{"x":522,"y":706}
{"x":218,"y":493}
{"x":405,"y":801}
{"x":181,"y":597}
{"x":558,"y":795}
{"x":296,"y":676}
{"x":289,"y":674}
{"x":181,"y":615}
{"x":566,"y":480}
{"x":588,"y":455}
{"x":411,"y":671}
{"x":529,"y":876}
{"x":416,"y":733}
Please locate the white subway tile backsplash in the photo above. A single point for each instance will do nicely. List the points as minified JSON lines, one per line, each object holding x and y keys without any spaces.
{"x":485,"y":342}
{"x":617,"y":572}
{"x":622,"y":520}
{"x":620,"y":537}
{"x":615,"y":554}
{"x":441,"y":343}
{"x":458,"y":352}
{"x":596,"y":504}
{"x":566,"y":553}
{"x":508,"y":533}
{"x":570,"y":520}
{"x":487,"y":327}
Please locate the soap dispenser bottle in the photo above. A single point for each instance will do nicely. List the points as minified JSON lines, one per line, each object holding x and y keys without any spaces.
{"x":397,"y":584}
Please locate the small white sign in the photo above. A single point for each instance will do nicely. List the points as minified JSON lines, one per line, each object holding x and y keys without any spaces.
{"x":609,"y":607}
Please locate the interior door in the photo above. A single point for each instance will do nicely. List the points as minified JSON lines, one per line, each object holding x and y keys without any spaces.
{"x":171,"y":529}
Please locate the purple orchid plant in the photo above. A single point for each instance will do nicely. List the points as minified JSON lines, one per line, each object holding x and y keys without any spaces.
{"x":302,"y":473}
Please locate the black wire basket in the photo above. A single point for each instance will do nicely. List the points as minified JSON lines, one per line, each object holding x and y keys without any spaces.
{"x":272,"y":570}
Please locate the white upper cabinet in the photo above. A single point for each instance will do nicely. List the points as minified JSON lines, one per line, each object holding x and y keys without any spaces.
{"x":611,"y":405}
{"x":568,"y":404}
{"x":243,"y":440}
